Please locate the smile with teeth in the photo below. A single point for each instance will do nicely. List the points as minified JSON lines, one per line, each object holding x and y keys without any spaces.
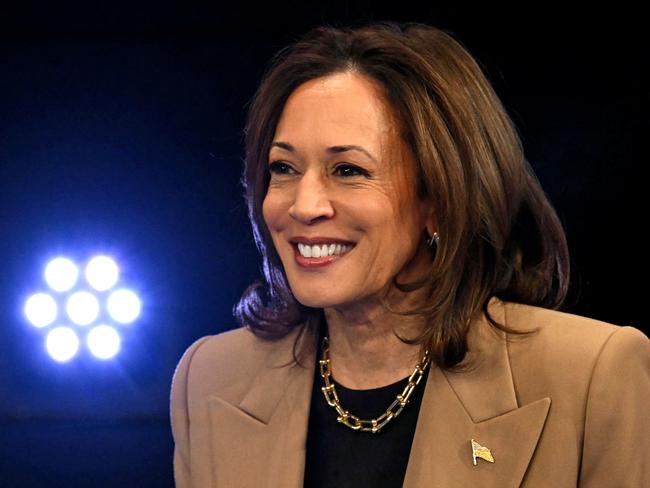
{"x":322,"y":250}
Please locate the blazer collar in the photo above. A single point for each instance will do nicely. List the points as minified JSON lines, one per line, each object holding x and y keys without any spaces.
{"x":478,"y":403}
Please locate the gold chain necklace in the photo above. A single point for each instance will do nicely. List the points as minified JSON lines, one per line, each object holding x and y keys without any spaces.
{"x":354,"y":422}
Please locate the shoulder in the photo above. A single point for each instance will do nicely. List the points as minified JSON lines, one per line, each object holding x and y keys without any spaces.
{"x":222,"y":353}
{"x":562,"y":333}
{"x":566,"y":351}
{"x":225,"y":363}
{"x":597,"y":376}
{"x":224,"y":348}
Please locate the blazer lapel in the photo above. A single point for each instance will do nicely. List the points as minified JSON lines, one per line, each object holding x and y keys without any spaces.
{"x":261,"y":441}
{"x":478,"y":403}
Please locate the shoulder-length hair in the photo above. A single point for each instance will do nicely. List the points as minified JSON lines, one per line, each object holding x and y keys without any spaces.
{"x":500,"y":236}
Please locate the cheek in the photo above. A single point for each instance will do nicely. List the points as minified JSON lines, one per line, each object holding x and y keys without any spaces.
{"x":276,"y":206}
{"x":271,"y":211}
{"x":271,"y":215}
{"x":266,"y":210}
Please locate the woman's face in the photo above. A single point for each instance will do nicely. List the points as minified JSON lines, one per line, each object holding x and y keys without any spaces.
{"x":342,"y":205}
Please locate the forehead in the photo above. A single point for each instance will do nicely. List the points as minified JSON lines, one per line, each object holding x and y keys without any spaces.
{"x":343,"y":108}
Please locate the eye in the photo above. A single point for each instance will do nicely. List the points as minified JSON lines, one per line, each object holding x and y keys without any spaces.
{"x":349,"y":170}
{"x":280,"y":168}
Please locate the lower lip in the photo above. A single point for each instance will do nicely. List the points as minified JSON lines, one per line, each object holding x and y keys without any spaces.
{"x":311,"y":263}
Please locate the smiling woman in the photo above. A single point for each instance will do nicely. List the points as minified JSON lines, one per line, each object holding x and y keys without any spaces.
{"x":406,"y":332}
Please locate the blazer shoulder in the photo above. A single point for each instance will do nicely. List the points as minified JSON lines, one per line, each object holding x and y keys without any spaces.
{"x":565,"y":345}
{"x":560,"y":328}
{"x":226,"y":347}
{"x":225,"y":363}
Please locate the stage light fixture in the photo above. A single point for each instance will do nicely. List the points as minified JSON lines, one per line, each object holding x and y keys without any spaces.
{"x":92,"y":307}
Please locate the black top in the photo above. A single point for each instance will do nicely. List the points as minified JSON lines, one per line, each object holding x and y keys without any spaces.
{"x":338,"y":456}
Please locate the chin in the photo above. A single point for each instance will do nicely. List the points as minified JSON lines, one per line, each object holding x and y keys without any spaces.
{"x":316,"y":300}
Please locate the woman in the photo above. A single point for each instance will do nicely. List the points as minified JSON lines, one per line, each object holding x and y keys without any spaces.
{"x":408,"y":250}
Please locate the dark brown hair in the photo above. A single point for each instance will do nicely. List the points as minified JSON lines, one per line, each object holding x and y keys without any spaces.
{"x":500,"y":236}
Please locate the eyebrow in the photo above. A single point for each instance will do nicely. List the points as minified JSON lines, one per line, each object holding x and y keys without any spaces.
{"x":331,"y":150}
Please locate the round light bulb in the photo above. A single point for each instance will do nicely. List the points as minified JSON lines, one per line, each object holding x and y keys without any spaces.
{"x":82,"y":308}
{"x":124,"y":306}
{"x":103,"y":341}
{"x":102,"y":273}
{"x":41,"y":309}
{"x":61,"y":274}
{"x":62,"y":344}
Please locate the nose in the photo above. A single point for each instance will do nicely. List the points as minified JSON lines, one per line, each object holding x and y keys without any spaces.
{"x":311,"y":202}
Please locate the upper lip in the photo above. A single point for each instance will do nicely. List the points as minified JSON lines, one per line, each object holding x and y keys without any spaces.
{"x":312,"y":241}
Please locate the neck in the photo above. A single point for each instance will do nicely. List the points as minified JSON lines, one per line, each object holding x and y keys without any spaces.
{"x":364,"y":352}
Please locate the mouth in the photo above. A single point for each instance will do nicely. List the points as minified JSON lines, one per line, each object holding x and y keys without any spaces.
{"x":322,"y":250}
{"x":317,"y":254}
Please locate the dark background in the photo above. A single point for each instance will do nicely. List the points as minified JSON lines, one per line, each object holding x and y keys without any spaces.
{"x":121,"y":132}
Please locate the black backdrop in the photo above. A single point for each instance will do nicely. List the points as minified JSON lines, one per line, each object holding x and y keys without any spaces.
{"x":120,"y":131}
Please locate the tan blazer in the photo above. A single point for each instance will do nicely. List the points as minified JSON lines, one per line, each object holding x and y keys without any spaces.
{"x":567,"y":406}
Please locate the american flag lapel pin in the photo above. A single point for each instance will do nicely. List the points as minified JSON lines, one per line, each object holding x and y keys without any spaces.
{"x":479,"y":451}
